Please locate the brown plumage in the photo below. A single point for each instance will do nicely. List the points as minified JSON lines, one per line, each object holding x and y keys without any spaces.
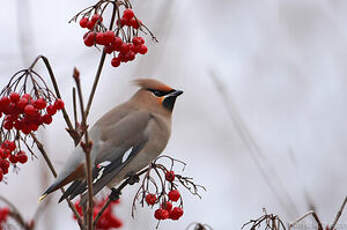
{"x":125,"y":140}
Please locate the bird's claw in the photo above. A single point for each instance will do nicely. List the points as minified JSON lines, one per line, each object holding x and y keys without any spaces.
{"x":133,"y":179}
{"x":115,"y":194}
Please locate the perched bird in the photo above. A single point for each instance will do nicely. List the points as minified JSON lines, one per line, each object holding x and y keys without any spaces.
{"x":125,"y":140}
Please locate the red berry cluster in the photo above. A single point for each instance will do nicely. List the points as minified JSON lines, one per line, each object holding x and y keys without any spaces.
{"x":107,"y":219}
{"x":9,"y":154}
{"x":4,"y":212}
{"x":21,"y":114}
{"x":127,"y":48}
{"x":26,"y":114}
{"x":166,"y":209}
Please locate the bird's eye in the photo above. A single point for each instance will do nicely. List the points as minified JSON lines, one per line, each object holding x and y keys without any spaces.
{"x":157,"y":93}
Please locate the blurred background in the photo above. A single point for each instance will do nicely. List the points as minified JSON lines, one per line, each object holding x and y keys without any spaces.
{"x":261,"y":123}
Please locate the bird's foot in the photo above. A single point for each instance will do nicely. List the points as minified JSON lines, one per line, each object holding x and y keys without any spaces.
{"x":133,"y":178}
{"x":115,"y":194}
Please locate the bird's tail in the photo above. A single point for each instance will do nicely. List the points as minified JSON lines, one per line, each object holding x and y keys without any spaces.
{"x":55,"y":186}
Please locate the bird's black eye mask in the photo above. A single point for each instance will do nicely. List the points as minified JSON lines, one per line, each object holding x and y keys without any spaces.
{"x":160,"y":93}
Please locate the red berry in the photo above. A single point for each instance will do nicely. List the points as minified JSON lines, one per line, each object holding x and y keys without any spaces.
{"x":22,"y":157}
{"x":40,"y":103}
{"x":11,"y":118}
{"x":134,"y":23}
{"x":89,"y":40}
{"x":122,"y":58}
{"x":22,"y":103}
{"x":100,"y":39}
{"x":90,"y":24}
{"x":47,"y":119}
{"x":176,"y":213}
{"x":10,"y":145}
{"x":115,"y":62}
{"x":174,"y":195}
{"x":59,"y":104}
{"x":8,"y":125}
{"x":84,"y":22}
{"x":170,"y":176}
{"x":27,"y":96}
{"x":136,"y":48}
{"x":51,"y":110}
{"x":26,"y":129}
{"x":124,"y":48}
{"x":11,"y":109}
{"x":117,"y":43}
{"x":88,"y":43}
{"x":4,"y":153}
{"x":130,"y":56}
{"x":4,"y":102}
{"x":96,"y":18}
{"x":165,"y":214}
{"x":1,"y":174}
{"x":30,"y":110}
{"x":14,"y":97}
{"x":138,"y":41}
{"x":161,"y":214}
{"x":143,"y":49}
{"x":4,"y":165}
{"x":33,"y":127}
{"x":109,"y":36}
{"x":108,"y":49}
{"x":151,"y":199}
{"x":128,"y":14}
{"x":13,"y":159}
{"x":122,"y":22}
{"x":18,"y":125}
{"x":167,"y":205}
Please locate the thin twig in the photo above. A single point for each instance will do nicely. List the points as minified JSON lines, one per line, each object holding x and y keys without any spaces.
{"x":74,"y":106}
{"x":313,"y":213}
{"x":339,"y":213}
{"x":86,"y":146}
{"x":15,"y":214}
{"x":55,"y":85}
{"x":101,"y":64}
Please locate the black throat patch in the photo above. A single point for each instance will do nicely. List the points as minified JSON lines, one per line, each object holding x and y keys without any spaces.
{"x":169,"y":102}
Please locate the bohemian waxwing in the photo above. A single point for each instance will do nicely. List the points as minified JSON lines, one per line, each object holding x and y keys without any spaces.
{"x":125,"y":140}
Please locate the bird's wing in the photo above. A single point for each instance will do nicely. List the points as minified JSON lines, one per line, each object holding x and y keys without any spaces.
{"x":120,"y":143}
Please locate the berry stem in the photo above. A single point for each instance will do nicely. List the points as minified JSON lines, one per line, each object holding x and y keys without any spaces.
{"x":15,"y":214}
{"x":101,"y":65}
{"x":55,"y":86}
{"x":87,"y":149}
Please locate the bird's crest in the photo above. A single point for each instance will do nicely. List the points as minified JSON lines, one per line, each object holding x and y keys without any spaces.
{"x":148,"y":83}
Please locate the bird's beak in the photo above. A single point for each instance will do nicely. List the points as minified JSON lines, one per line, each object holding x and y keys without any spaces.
{"x":175,"y":93}
{"x":168,"y":100}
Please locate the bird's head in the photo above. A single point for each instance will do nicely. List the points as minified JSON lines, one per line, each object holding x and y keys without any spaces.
{"x":155,"y":93}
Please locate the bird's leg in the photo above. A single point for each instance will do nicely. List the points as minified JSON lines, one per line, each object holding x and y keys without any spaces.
{"x":133,"y":178}
{"x":115,"y":194}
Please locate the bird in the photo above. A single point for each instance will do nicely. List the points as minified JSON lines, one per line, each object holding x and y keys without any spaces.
{"x":124,"y":140}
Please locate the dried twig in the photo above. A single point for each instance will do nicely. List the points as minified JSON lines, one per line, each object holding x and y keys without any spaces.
{"x":339,"y":213}
{"x":15,"y":214}
{"x":55,"y":86}
{"x":313,"y":213}
{"x":100,"y":66}
{"x":86,"y":146}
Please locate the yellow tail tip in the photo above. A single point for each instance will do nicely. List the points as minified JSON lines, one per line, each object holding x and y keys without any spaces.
{"x":42,"y":197}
